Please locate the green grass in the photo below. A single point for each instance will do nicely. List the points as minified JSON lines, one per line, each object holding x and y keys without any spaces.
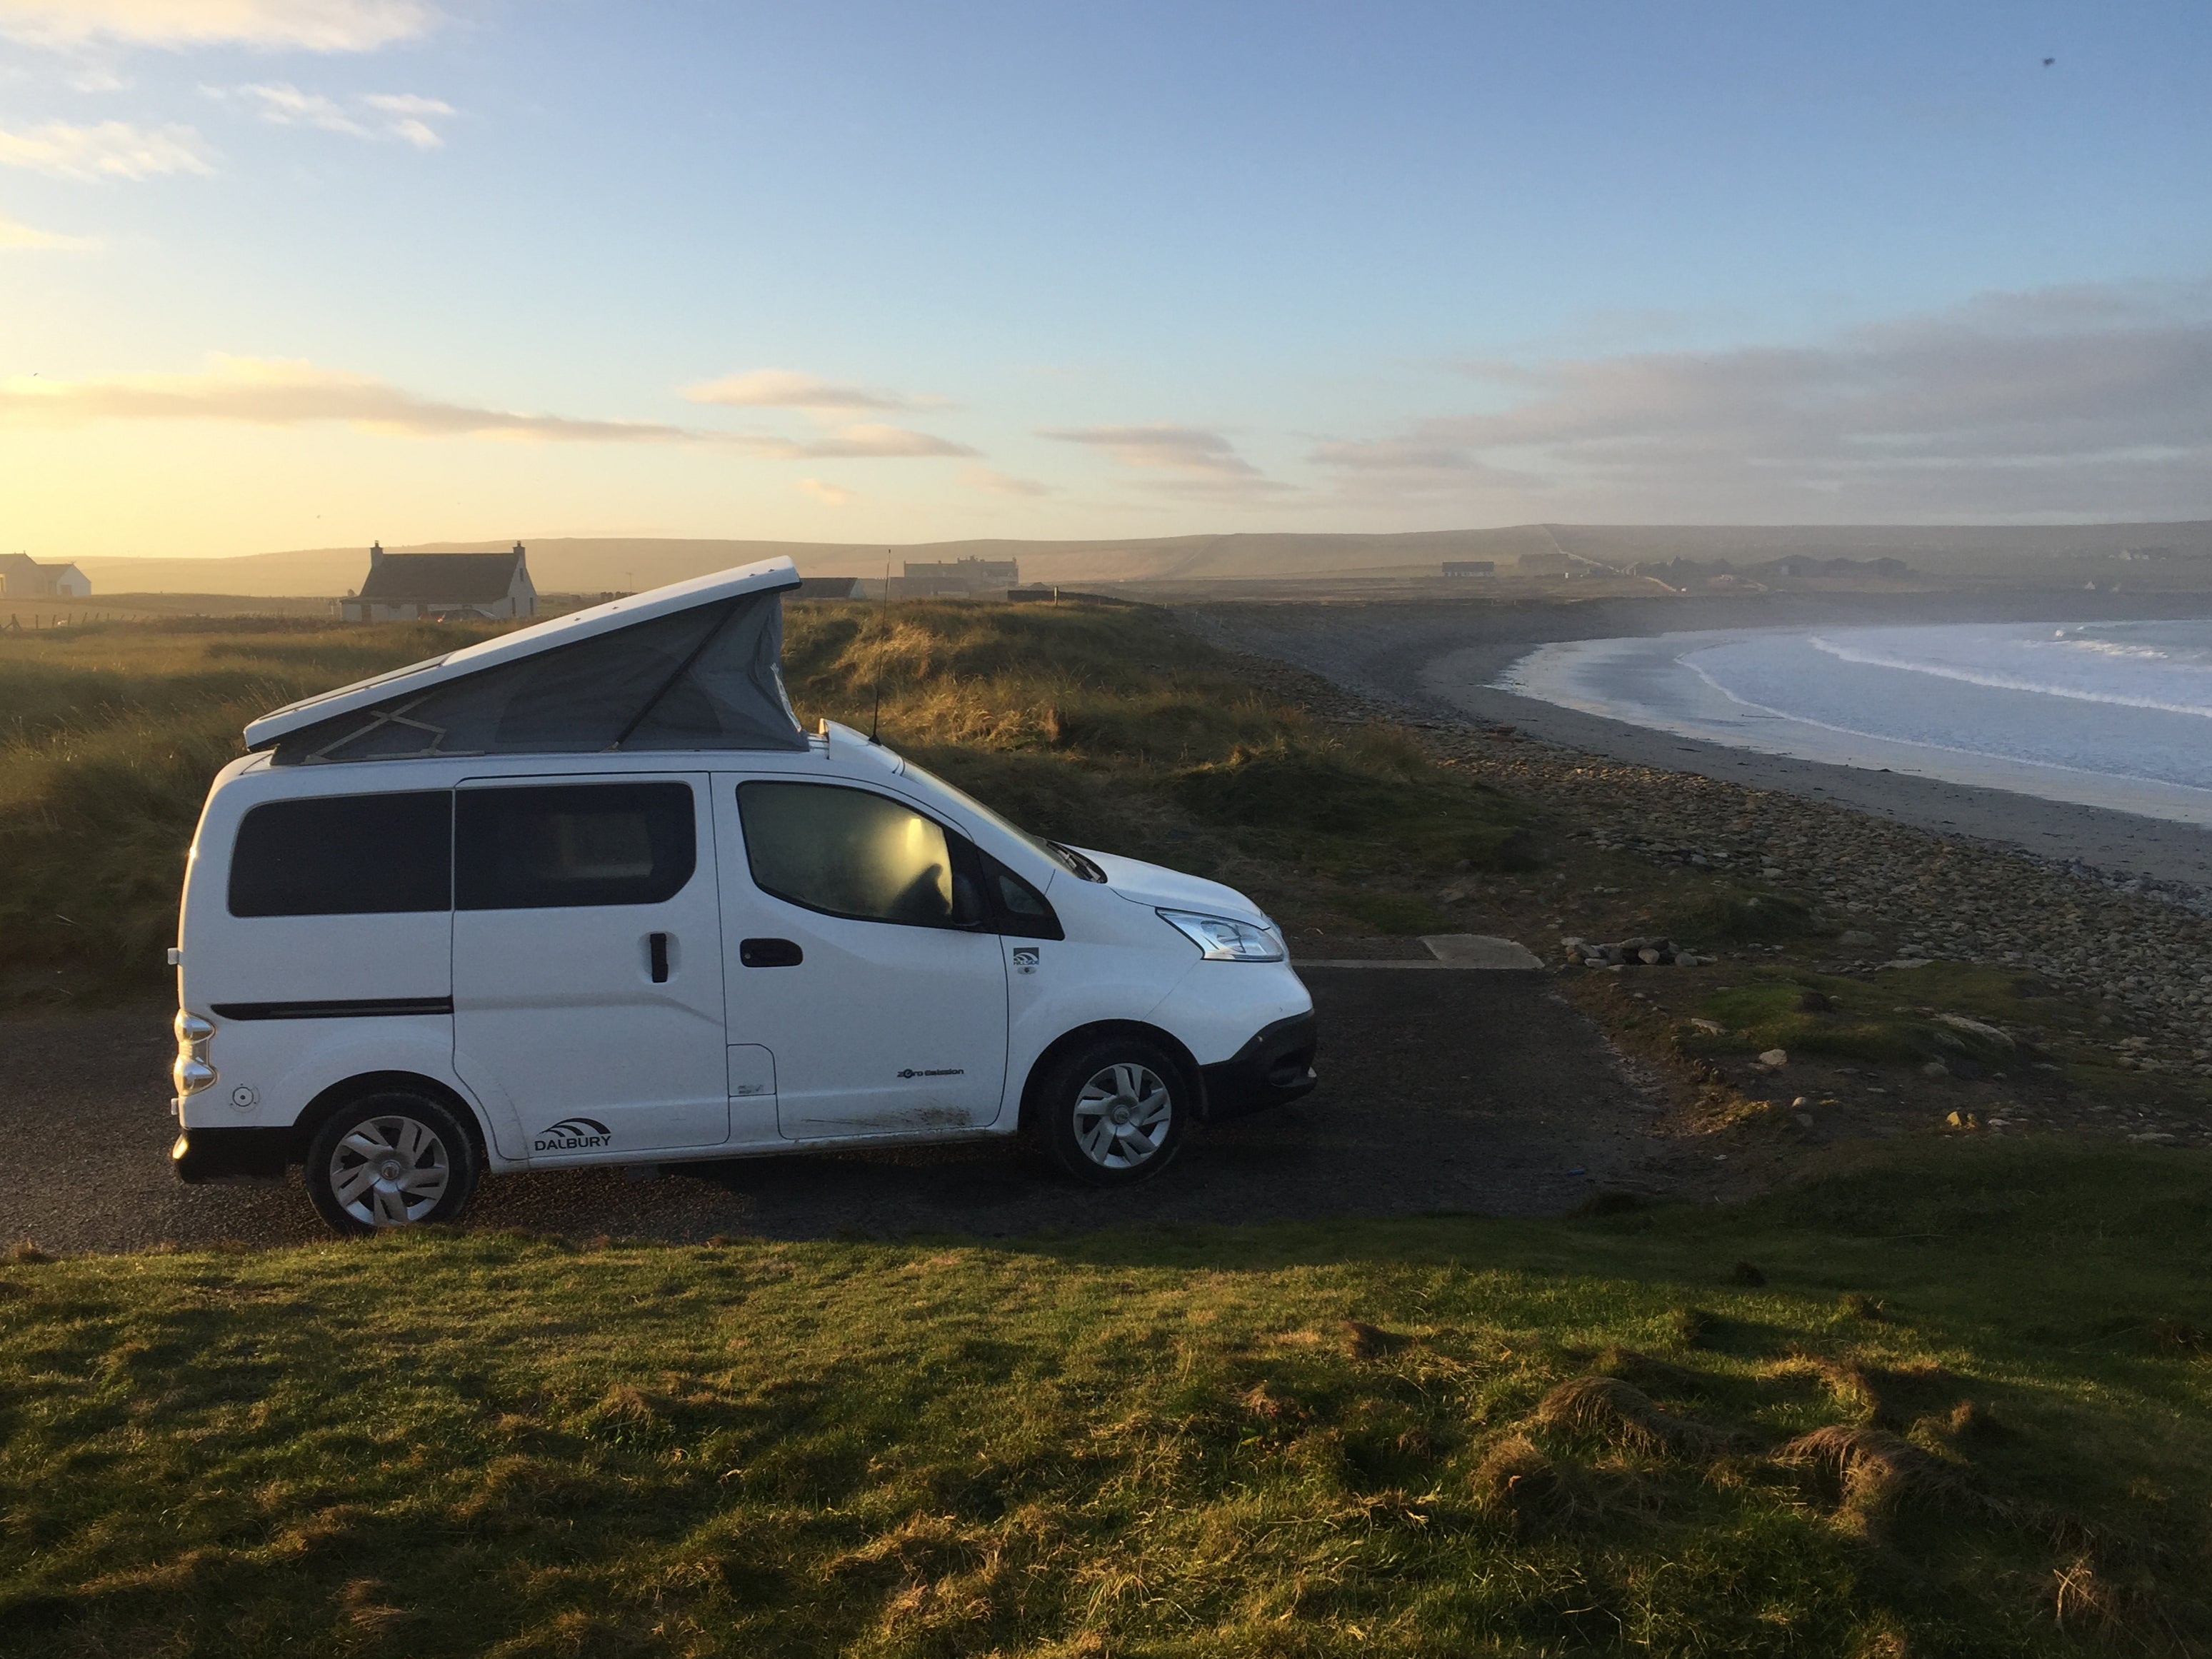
{"x":1169,"y":1444}
{"x":1945,"y":1010}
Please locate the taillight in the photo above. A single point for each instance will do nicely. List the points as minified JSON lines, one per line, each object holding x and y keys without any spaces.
{"x":192,"y":1073}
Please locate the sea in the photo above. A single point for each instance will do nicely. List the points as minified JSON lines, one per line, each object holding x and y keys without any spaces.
{"x":2104,"y":713}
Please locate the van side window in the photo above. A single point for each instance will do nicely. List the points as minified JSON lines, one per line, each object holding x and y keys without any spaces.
{"x":545,"y":847}
{"x":345,"y":855}
{"x":1017,"y":909}
{"x":851,"y":853}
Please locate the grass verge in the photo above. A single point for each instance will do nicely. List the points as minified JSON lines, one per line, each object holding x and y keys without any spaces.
{"x":1956,"y":1403}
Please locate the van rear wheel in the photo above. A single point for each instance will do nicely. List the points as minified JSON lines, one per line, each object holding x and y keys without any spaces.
{"x":390,"y":1160}
{"x":1112,"y":1112}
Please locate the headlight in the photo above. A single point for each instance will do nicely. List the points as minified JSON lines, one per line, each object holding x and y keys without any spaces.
{"x":1220,"y":938}
{"x":192,"y":1072}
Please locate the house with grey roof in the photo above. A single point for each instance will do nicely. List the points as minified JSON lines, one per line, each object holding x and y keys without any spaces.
{"x":955,"y":578}
{"x":443,"y":586}
{"x":22,"y":577}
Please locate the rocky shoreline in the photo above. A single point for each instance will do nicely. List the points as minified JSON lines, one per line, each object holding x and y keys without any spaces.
{"x":2139,"y":950}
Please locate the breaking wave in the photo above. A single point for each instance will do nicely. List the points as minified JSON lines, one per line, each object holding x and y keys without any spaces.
{"x":2106,"y":713}
{"x":2081,"y":664}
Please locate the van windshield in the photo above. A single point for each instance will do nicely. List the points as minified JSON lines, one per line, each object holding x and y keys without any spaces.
{"x":1065,"y":857}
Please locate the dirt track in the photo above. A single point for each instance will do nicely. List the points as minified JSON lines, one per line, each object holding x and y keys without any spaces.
{"x":1441,"y":1092}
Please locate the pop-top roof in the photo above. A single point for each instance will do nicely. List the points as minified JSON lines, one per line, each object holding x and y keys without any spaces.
{"x":693,"y":664}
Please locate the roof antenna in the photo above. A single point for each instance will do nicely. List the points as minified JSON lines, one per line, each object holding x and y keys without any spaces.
{"x":883,"y":611}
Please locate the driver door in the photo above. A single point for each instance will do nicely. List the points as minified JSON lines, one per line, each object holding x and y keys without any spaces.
{"x":854,"y":952}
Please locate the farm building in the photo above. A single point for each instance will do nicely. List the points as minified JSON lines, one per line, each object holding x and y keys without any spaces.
{"x":22,"y":577}
{"x":420,"y":586}
{"x":942,"y":578}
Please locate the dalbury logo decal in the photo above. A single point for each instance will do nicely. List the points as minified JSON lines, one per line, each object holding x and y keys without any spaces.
{"x":573,"y":1134}
{"x":942,"y":1071}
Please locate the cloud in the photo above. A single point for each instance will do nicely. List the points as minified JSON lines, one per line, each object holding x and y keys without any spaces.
{"x":999,"y":483}
{"x":405,"y":112}
{"x":107,"y":149}
{"x":23,"y":237}
{"x":784,"y":388}
{"x":1163,"y":447}
{"x":2091,"y":399}
{"x":265,"y":392}
{"x":389,"y":115}
{"x":304,"y":25}
{"x":1192,"y":462}
{"x":879,"y":442}
{"x":825,"y":492}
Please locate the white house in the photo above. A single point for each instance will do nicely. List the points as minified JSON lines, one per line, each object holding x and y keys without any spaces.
{"x":22,"y":577}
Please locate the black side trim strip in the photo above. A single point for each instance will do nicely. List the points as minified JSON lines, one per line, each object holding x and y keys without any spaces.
{"x":359,"y":1008}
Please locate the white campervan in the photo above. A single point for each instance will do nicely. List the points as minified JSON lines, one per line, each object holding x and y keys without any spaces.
{"x":587,"y":894}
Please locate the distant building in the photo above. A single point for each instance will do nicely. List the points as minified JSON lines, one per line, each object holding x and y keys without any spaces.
{"x":828,"y":587}
{"x":1470,"y":567}
{"x":1798,"y":566}
{"x":423,"y":586}
{"x":22,"y":577}
{"x":1795,"y":567}
{"x":956,"y":577}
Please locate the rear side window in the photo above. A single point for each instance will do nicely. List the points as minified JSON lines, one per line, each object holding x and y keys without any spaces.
{"x":570,"y":844}
{"x":345,"y":855}
{"x":849,"y":852}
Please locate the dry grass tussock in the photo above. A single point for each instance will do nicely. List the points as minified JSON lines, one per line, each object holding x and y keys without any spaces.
{"x":1606,"y":1408}
{"x":1872,"y":1473}
{"x":1100,"y":685}
{"x":2089,"y":1600}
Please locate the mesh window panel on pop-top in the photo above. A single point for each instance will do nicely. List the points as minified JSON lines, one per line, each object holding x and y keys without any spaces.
{"x":732,"y":696}
{"x":674,"y":682}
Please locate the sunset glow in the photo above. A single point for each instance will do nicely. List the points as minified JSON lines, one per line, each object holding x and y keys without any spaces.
{"x":280,"y":273}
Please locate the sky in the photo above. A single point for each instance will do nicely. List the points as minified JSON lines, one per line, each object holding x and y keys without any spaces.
{"x":288,"y":273}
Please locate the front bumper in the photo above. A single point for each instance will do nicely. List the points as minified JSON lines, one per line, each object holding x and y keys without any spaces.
{"x":1273,"y":1069}
{"x":204,"y":1155}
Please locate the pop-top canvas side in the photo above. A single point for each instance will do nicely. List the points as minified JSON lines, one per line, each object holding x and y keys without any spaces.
{"x":705,"y":674}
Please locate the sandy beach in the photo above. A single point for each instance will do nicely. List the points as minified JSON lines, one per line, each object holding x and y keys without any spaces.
{"x":1441,"y":660}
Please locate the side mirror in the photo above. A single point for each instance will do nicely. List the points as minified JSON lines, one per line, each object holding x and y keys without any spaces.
{"x":967,"y":902}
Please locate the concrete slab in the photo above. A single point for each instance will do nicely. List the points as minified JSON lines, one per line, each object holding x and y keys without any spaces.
{"x":1484,"y":951}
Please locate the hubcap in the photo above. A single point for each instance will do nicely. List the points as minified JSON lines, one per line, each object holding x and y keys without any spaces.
{"x":389,"y":1172}
{"x":1122,"y":1116}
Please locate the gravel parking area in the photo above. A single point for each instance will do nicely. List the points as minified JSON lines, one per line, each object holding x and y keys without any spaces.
{"x":1442,"y":1091}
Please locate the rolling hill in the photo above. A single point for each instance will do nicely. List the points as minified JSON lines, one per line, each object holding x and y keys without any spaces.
{"x":597,"y":564}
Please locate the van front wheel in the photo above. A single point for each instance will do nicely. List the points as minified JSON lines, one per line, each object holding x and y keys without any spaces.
{"x":1112,"y":1112}
{"x":390,"y":1160}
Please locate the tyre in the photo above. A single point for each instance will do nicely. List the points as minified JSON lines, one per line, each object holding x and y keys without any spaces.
{"x":391,"y":1160}
{"x":1112,"y":1112}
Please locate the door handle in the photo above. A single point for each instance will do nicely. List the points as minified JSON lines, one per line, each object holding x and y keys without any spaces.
{"x":770,"y":953}
{"x":656,"y":946}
